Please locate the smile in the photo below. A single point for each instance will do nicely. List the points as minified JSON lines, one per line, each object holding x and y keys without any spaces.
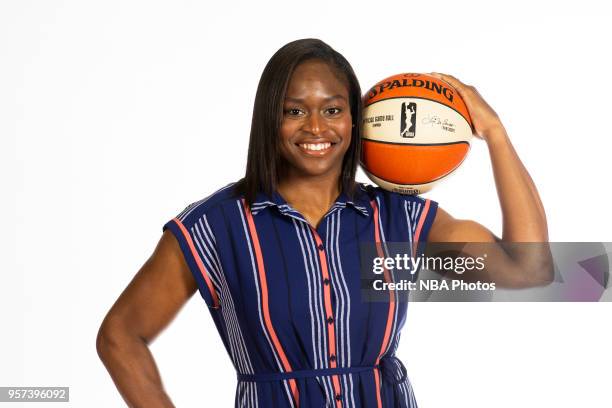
{"x":316,"y":149}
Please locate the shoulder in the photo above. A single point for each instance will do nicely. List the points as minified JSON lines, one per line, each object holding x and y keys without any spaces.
{"x":207,"y":205}
{"x":418,"y":212}
{"x":195,"y":225}
{"x":390,"y":198}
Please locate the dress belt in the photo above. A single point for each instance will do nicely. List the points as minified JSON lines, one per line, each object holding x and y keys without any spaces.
{"x":390,"y":366}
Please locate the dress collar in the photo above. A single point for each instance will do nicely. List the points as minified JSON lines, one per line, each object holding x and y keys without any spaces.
{"x":359,"y":203}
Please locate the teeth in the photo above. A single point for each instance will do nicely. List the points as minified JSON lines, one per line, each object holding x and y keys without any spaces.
{"x":315,"y":146}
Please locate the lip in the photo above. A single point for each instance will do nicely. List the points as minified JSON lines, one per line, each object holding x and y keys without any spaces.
{"x":308,"y":147}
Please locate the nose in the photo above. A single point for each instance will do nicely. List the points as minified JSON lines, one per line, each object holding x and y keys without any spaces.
{"x":315,"y":124}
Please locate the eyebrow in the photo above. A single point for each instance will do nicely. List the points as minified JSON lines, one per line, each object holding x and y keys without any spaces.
{"x":329,"y":98}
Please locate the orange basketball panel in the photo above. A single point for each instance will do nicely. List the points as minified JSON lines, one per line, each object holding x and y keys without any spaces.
{"x":412,"y":164}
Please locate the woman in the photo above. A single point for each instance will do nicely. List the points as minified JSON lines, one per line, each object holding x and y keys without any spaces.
{"x":276,"y":258}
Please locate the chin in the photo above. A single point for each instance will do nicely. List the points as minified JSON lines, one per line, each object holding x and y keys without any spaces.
{"x":313,"y":166}
{"x":317,"y":171}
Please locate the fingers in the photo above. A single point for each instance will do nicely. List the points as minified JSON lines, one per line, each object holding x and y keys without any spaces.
{"x":484,"y":118}
{"x":454,"y":82}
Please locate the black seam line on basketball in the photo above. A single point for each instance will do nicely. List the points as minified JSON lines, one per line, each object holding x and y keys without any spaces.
{"x":425,"y":99}
{"x":415,"y":144}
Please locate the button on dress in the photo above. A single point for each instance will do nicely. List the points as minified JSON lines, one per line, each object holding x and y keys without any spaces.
{"x":286,"y":297}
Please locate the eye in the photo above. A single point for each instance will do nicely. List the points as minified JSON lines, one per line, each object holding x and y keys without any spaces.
{"x":293,"y":112}
{"x":333,"y":111}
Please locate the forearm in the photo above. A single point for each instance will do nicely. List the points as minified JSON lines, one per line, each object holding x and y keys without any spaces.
{"x":524,"y":219}
{"x":133,"y":370}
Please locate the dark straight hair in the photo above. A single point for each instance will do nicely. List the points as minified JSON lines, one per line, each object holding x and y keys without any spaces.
{"x":264,"y":158}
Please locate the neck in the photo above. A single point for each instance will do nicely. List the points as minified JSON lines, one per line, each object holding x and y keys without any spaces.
{"x":310,"y":191}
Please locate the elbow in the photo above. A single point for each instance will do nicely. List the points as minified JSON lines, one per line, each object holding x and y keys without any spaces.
{"x":109,"y":339}
{"x":117,"y":338}
{"x":539,"y":273}
{"x":531,"y":265}
{"x":542,"y":276}
{"x":104,"y":342}
{"x":544,"y":269}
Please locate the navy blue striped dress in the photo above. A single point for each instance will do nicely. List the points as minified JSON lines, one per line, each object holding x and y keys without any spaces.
{"x":286,"y":297}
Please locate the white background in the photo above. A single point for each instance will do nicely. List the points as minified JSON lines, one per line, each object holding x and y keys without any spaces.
{"x":114,"y":115}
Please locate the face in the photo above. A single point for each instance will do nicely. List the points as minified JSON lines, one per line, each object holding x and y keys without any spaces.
{"x":316,"y":126}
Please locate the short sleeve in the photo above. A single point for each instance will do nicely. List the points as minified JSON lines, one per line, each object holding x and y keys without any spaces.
{"x":197,"y":243}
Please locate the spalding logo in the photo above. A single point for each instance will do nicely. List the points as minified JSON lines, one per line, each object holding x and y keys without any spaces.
{"x":418,"y":83}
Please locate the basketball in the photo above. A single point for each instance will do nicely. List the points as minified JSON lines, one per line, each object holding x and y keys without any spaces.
{"x":416,"y":132}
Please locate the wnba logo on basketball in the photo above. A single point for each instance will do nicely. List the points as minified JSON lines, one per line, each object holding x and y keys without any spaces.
{"x":408,"y":119}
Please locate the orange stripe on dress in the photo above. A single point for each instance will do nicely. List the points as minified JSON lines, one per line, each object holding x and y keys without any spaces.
{"x":264,"y":301}
{"x":417,"y":234}
{"x":199,"y":262}
{"x":331,"y":332}
{"x":387,"y":278}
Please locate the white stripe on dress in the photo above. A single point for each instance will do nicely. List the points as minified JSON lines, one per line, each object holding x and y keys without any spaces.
{"x":309,"y":247}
